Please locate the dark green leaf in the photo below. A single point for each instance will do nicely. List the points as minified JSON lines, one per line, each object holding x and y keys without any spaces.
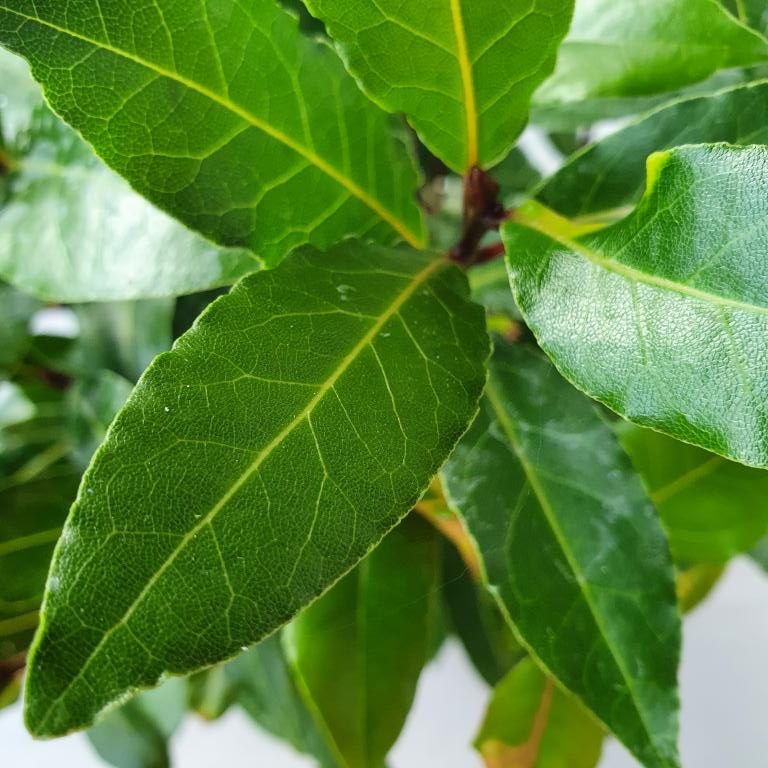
{"x":284,"y":435}
{"x":530,"y":723}
{"x":359,"y":650}
{"x":759,"y":553}
{"x":266,"y":689}
{"x":609,"y":175}
{"x":712,"y":509}
{"x":462,"y":72}
{"x":224,"y":119}
{"x":16,"y":311}
{"x":572,"y":549}
{"x":136,"y":734}
{"x":610,"y":52}
{"x":477,"y":621}
{"x":664,"y":316}
{"x":752,"y":12}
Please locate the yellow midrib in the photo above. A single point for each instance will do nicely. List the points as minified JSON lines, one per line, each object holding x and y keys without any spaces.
{"x":414,"y":239}
{"x":417,"y":281}
{"x":465,"y":67}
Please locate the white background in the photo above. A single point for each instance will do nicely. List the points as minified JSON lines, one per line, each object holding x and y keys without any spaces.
{"x":724,"y":687}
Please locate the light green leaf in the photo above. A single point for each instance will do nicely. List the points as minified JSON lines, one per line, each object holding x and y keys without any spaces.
{"x":224,"y":115}
{"x":530,"y":723}
{"x":671,"y":43}
{"x":606,"y":176}
{"x":462,"y":72}
{"x":72,"y":230}
{"x":477,"y":621}
{"x":285,"y":434}
{"x":359,"y":650}
{"x":572,"y":549}
{"x":664,"y":316}
{"x":712,"y":509}
{"x":136,"y":734}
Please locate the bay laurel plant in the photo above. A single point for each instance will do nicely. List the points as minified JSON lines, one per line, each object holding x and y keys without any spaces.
{"x":306,"y":365}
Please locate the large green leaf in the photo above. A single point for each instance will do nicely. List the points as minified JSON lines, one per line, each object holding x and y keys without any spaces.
{"x":463,"y":72}
{"x":295,"y":424}
{"x":530,"y":723}
{"x":663,"y":317}
{"x":359,"y":650}
{"x":572,"y":549}
{"x":225,"y":115}
{"x":606,"y":176}
{"x":712,"y":508}
{"x":612,"y":52}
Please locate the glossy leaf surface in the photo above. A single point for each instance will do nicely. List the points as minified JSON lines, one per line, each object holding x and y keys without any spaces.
{"x":610,"y":52}
{"x":530,"y":723}
{"x":608,"y":175}
{"x":359,"y":650}
{"x":572,"y":548}
{"x":664,"y":316}
{"x":712,"y":508}
{"x":297,"y":422}
{"x":463,"y":72}
{"x":224,"y":120}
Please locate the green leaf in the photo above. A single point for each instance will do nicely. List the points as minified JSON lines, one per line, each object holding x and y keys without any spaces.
{"x":463,"y":73}
{"x":712,"y":509}
{"x":530,"y":723}
{"x":136,"y":734}
{"x":359,"y":650}
{"x":297,"y":422}
{"x":572,"y":549}
{"x":612,"y":53}
{"x":16,"y":311}
{"x":751,"y":12}
{"x":266,"y":689}
{"x":477,"y":621}
{"x":606,"y":176}
{"x":224,"y":119}
{"x":663,"y":316}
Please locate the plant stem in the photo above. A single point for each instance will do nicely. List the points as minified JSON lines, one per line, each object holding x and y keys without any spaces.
{"x":482,"y":213}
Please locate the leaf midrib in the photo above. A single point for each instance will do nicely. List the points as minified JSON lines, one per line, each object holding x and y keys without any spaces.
{"x":634,"y":275}
{"x":416,"y":282}
{"x":467,"y":80}
{"x":330,"y":170}
{"x":496,"y":403}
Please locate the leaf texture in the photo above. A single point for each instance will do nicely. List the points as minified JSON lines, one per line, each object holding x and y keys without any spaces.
{"x":224,"y":115}
{"x":610,"y":174}
{"x":572,"y":549}
{"x":463,"y":72}
{"x":610,"y":52}
{"x":663,"y":317}
{"x":359,"y":650}
{"x":295,"y":424}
